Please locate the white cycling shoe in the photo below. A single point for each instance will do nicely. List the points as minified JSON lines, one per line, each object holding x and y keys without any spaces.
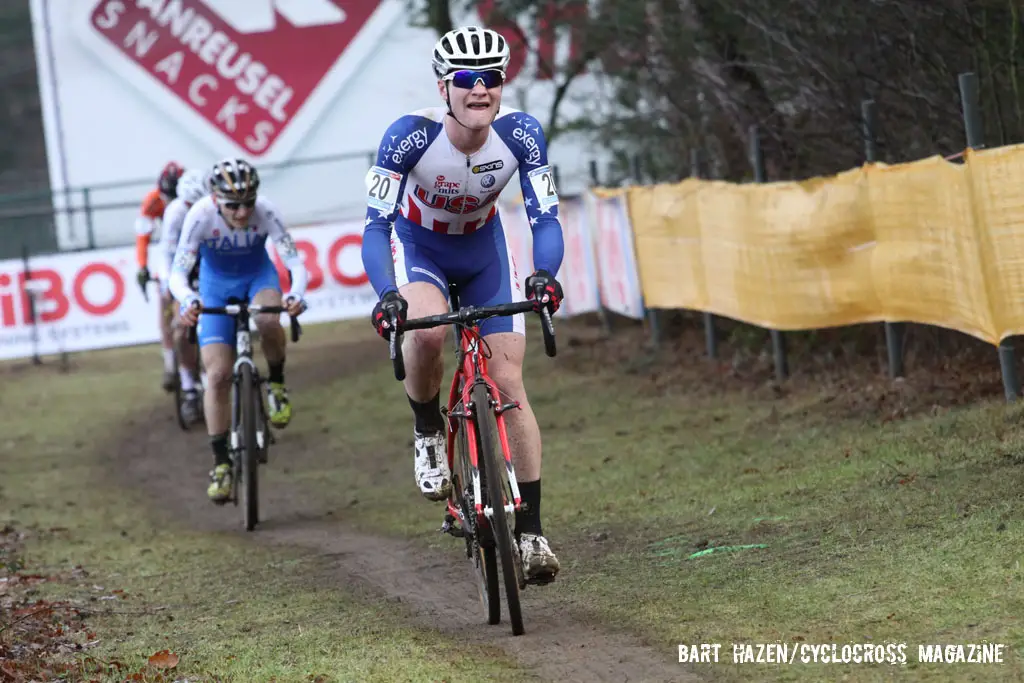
{"x":539,"y":563}
{"x":431,"y":465}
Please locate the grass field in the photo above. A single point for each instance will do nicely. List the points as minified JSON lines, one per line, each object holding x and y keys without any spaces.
{"x":839,"y":525}
{"x":230,"y":610}
{"x":873,"y":530}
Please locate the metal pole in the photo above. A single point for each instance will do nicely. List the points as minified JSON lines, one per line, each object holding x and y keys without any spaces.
{"x":893,"y":331}
{"x":710,"y":336}
{"x":971,"y":102}
{"x":778,"y":340}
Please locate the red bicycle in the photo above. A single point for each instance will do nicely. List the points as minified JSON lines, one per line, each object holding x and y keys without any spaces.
{"x":485,"y":496}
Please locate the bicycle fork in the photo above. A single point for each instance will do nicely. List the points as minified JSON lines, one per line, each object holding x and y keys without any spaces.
{"x":483,"y":512}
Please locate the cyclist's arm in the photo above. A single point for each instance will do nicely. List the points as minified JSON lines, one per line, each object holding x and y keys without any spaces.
{"x":185,"y":255}
{"x":385,"y":186}
{"x":537,"y":180}
{"x":286,"y":249}
{"x":149,"y":215}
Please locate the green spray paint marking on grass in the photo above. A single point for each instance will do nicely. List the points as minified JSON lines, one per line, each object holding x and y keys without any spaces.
{"x":725,"y":548}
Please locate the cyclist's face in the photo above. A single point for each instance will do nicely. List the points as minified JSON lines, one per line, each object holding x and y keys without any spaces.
{"x":236,"y":214}
{"x":474,"y":107}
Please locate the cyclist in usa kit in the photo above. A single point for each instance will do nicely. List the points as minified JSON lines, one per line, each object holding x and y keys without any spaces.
{"x":230,"y":231}
{"x":438,"y":174}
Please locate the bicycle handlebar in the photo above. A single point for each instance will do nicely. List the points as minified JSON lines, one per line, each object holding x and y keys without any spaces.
{"x":236,"y":309}
{"x":467,"y":315}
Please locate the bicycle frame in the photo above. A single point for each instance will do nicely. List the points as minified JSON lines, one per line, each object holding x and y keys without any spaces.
{"x":472,"y":370}
{"x":241,"y":312}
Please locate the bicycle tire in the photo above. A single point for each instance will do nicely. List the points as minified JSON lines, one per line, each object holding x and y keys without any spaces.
{"x":482,"y":557}
{"x":247,"y":392}
{"x":493,"y":469}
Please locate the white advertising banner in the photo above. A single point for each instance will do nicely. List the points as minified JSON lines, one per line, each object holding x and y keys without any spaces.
{"x":619,"y":278}
{"x":129,"y":85}
{"x":578,"y":273}
{"x":90,"y":300}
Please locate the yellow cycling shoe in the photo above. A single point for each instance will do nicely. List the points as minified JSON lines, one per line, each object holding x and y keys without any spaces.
{"x":219,"y":490}
{"x":280,"y":407}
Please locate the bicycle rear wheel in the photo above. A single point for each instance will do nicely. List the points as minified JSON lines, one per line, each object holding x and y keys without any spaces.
{"x":481,"y":546}
{"x":493,"y":465}
{"x":248,"y":396}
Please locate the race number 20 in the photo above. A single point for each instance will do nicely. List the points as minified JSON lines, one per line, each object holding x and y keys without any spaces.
{"x":382,"y":188}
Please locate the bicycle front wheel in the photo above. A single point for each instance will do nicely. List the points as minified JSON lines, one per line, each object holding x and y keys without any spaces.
{"x":493,"y":462}
{"x":481,"y":550}
{"x":250,"y":449}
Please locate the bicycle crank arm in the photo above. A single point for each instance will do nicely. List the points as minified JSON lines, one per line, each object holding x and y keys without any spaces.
{"x":449,"y":527}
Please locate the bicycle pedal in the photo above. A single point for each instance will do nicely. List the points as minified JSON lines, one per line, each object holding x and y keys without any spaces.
{"x":541,"y":580}
{"x":449,"y":527}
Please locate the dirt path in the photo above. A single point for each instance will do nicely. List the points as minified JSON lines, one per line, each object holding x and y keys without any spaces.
{"x":437,"y":587}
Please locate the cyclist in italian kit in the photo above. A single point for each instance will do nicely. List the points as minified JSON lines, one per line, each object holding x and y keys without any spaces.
{"x":230,"y":230}
{"x":438,"y":174}
{"x":192,"y":187}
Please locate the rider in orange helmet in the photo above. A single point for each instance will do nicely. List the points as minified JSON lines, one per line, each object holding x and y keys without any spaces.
{"x":150,"y":216}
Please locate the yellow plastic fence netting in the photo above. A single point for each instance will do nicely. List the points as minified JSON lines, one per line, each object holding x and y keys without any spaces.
{"x":929,"y":242}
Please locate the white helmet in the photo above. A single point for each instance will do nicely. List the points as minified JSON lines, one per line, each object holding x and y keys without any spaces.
{"x":470,"y":47}
{"x":193,"y":186}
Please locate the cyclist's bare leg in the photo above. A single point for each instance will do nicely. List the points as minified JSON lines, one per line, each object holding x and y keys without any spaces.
{"x":165,"y":305}
{"x":424,"y":370}
{"x":508,"y":349}
{"x":505,"y":367}
{"x":423,"y":349}
{"x":188,"y":354}
{"x":219,"y":360}
{"x":273,"y":342}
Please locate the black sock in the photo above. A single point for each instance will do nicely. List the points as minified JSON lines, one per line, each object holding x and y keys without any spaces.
{"x":428,"y":415}
{"x":219,"y":443}
{"x":528,"y":515}
{"x":276,"y":371}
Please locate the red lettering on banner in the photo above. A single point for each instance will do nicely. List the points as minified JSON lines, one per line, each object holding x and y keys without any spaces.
{"x":55,"y":293}
{"x":247,"y":76}
{"x":78,"y":289}
{"x":332,"y":262}
{"x":311,"y":259}
{"x":52,"y":301}
{"x":6,"y":304}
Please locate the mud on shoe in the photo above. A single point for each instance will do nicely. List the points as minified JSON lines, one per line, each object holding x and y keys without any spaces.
{"x":219,"y":490}
{"x":539,"y":563}
{"x":431,"y":465}
{"x":280,"y":407}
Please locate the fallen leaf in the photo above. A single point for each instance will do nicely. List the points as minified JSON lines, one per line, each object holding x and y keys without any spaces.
{"x":164,"y":659}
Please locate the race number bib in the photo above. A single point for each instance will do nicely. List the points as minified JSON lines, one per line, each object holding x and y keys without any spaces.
{"x":543,"y":182}
{"x":382,"y":188}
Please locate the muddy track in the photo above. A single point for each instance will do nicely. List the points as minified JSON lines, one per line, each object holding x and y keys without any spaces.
{"x":434,"y":586}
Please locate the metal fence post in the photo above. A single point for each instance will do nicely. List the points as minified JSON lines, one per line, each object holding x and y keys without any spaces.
{"x":710,"y":336}
{"x":778,"y":340}
{"x":90,"y":230}
{"x":894,"y":332}
{"x":970,"y":99}
{"x":653,"y":319}
{"x":602,"y":313}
